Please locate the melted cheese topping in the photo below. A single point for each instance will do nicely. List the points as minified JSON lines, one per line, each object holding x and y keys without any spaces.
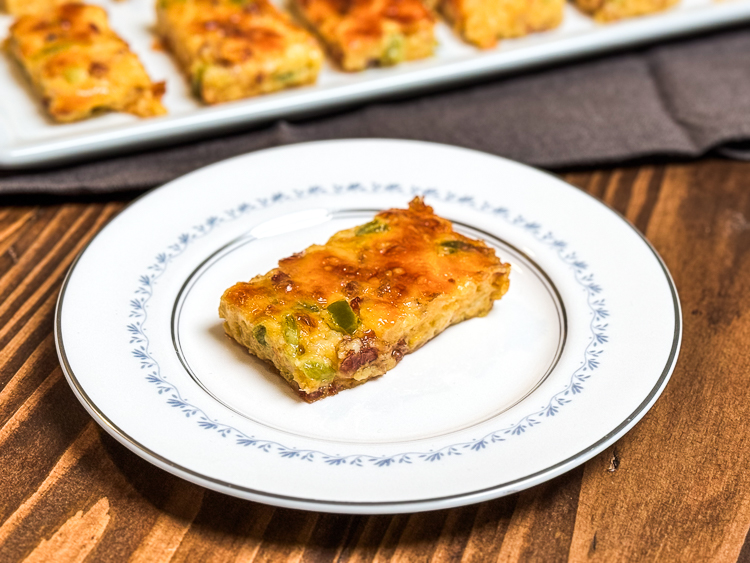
{"x":391,"y":267}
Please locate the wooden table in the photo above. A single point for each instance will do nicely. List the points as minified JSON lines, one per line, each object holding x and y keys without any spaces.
{"x":676,"y":488}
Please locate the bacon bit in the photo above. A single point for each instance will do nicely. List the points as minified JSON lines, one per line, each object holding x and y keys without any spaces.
{"x":283,"y":281}
{"x":98,"y":69}
{"x":158,"y":89}
{"x":280,"y":277}
{"x":354,"y":304}
{"x":306,"y":319}
{"x":332,"y":389}
{"x":399,"y":350}
{"x":351,"y":288}
{"x":356,"y":360}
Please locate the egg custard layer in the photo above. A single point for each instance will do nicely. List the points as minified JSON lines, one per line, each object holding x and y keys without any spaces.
{"x":80,"y":66}
{"x":335,"y":315}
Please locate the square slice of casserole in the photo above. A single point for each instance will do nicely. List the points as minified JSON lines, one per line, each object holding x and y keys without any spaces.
{"x":234,"y":49}
{"x":611,"y":10}
{"x":80,"y":67}
{"x":484,"y":22}
{"x":334,"y":316}
{"x":365,"y":33}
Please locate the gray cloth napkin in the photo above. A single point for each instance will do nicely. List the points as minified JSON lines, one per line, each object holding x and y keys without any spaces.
{"x":678,"y":99}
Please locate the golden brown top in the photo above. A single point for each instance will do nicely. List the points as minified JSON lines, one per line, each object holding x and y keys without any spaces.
{"x":54,"y":30}
{"x":386,"y":270}
{"x":405,"y":12}
{"x":229,"y":32}
{"x":351,"y":22}
{"x":21,"y":7}
{"x":80,"y":64}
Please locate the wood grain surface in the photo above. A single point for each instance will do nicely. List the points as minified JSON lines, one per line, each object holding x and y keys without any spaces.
{"x":676,"y":488}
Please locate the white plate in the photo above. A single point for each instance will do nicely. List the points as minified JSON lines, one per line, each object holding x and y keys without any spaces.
{"x":570,"y":359}
{"x":28,"y":137}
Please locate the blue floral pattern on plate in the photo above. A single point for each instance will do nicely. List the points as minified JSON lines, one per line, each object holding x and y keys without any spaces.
{"x":598,"y":327}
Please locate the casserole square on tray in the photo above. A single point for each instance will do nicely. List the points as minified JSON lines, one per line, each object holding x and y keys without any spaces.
{"x":80,"y":66}
{"x":233,"y":49}
{"x":364,"y":33}
{"x":484,"y":22}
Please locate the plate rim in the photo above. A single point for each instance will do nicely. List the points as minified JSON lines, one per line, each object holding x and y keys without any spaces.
{"x":374,"y":507}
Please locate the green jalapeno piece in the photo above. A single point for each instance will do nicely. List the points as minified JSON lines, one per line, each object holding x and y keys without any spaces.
{"x":318,"y":371}
{"x":455,"y":245}
{"x":75,"y":74}
{"x":291,"y":331}
{"x":370,"y":228}
{"x":394,"y":52}
{"x":259,"y":332}
{"x":343,"y":316}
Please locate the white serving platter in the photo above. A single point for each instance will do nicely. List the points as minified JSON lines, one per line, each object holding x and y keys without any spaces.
{"x":28,"y":137}
{"x":568,"y":361}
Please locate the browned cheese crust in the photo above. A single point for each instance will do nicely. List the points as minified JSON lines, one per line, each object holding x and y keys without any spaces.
{"x":80,"y":67}
{"x":336,"y":315}
{"x":364,"y":33}
{"x":23,"y":7}
{"x":234,"y":49}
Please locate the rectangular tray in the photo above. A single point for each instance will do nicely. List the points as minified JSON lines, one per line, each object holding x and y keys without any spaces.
{"x":28,"y":137}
